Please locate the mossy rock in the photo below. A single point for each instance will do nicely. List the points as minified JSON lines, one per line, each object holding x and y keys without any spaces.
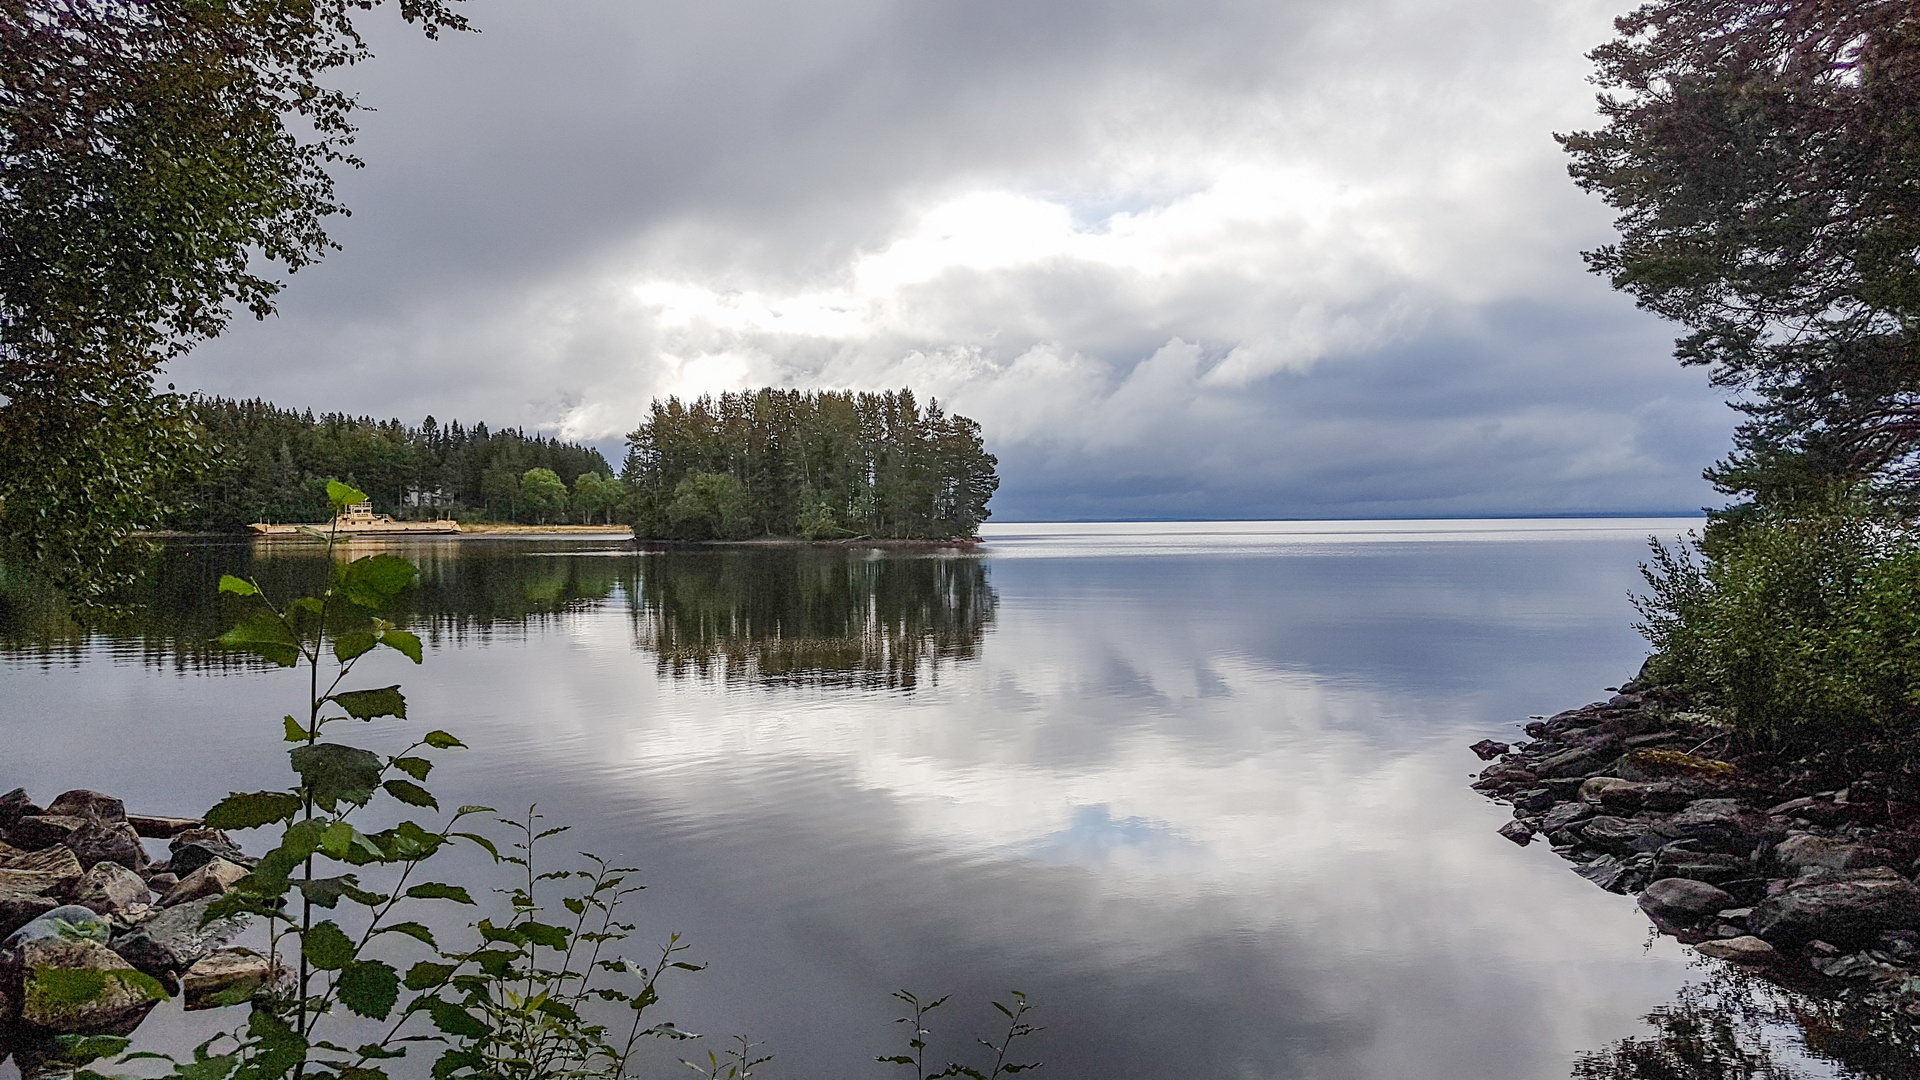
{"x":75,"y":985}
{"x":1665,"y":764}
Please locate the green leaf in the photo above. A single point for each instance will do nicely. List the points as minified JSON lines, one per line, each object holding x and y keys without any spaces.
{"x":553,"y":937}
{"x":369,"y":704}
{"x":326,"y":892}
{"x":334,"y":773}
{"x":434,"y":890}
{"x":237,"y":586}
{"x":353,"y":644}
{"x":454,"y":1020}
{"x":296,"y":733}
{"x":81,"y":1049}
{"x":403,"y":642}
{"x":240,"y":811}
{"x":369,"y":987}
{"x":416,"y":767}
{"x":424,"y":975}
{"x":481,"y":840}
{"x":407,"y":840}
{"x":411,"y":793}
{"x":343,"y":496}
{"x":326,"y":946}
{"x":374,"y":1051}
{"x":363,"y":1072}
{"x":374,"y":580}
{"x":412,"y":930}
{"x":263,"y":634}
{"x":440,"y":740}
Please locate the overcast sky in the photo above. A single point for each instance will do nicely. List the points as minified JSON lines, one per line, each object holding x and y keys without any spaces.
{"x":1186,"y":259}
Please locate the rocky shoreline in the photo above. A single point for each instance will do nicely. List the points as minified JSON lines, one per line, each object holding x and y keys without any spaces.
{"x":1801,"y":870}
{"x":94,"y":932}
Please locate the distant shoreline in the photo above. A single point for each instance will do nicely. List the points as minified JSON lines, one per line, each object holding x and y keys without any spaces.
{"x":610,"y":532}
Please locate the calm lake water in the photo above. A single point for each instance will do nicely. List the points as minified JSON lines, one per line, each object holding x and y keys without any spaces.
{"x":1198,"y":789}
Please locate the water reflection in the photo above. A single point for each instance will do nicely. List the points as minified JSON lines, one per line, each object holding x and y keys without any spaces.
{"x":827,"y":616}
{"x":1738,"y":1025}
{"x":831,"y":616}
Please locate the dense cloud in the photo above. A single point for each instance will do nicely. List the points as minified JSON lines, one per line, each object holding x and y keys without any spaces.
{"x":1181,"y":259}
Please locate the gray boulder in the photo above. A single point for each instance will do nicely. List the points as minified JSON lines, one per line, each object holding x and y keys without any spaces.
{"x":1800,"y":853}
{"x":195,"y":848}
{"x":36,"y":831}
{"x":99,"y":841}
{"x":174,"y":940}
{"x":90,"y":804}
{"x":110,"y":889}
{"x":53,"y":871}
{"x":17,"y":909}
{"x":1683,"y":901}
{"x":1563,"y":815}
{"x":1711,"y":867}
{"x":1845,"y":912}
{"x":1613,"y":834}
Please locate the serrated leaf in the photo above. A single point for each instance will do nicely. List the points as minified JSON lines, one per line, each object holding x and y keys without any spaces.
{"x":435,"y":890}
{"x":370,"y":704}
{"x":237,"y":586}
{"x":416,"y":767}
{"x":344,"y":495}
{"x":296,"y":733}
{"x":334,"y":773}
{"x":403,"y":642}
{"x":553,"y":937}
{"x":362,"y":1072}
{"x":354,"y":643}
{"x":250,"y":811}
{"x":481,"y":840}
{"x":414,"y":930}
{"x":454,"y":1020}
{"x":326,"y":946}
{"x":369,"y":987}
{"x":263,"y":634}
{"x":374,"y":1051}
{"x":424,"y":975}
{"x":440,"y":740}
{"x":326,"y":892}
{"x":411,"y":793}
{"x":374,"y":580}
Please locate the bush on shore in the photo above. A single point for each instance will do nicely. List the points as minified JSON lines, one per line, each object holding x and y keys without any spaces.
{"x":1792,"y":626}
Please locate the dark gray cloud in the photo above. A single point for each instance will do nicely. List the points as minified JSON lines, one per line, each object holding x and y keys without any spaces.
{"x":1193,"y":259}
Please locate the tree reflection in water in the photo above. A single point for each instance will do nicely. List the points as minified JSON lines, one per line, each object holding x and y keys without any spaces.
{"x":830,"y":616}
{"x":1737,"y":1025}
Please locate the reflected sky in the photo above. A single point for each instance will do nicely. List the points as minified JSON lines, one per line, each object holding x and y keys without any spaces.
{"x":1200,"y":790}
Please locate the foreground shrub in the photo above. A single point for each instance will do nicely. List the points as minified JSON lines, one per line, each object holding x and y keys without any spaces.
{"x":1791,"y":627}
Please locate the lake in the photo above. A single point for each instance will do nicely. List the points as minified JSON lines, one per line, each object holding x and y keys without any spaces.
{"x":1200,"y":790}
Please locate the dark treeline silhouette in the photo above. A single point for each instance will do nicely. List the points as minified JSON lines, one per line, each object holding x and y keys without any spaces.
{"x":817,"y":465}
{"x":780,"y":615}
{"x":266,"y":463}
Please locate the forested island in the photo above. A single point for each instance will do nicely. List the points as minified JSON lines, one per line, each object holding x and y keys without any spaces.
{"x":814,"y":465}
{"x":765,"y":463}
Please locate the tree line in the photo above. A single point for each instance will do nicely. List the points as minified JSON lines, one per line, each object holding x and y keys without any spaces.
{"x":811,"y":464}
{"x":266,"y":463}
{"x":817,"y":465}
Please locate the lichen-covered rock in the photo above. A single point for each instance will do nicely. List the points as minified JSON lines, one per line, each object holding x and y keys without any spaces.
{"x":69,"y":984}
{"x":1683,"y":901}
{"x":110,"y":888}
{"x":174,"y":940}
{"x":1845,"y":912}
{"x":213,"y":879}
